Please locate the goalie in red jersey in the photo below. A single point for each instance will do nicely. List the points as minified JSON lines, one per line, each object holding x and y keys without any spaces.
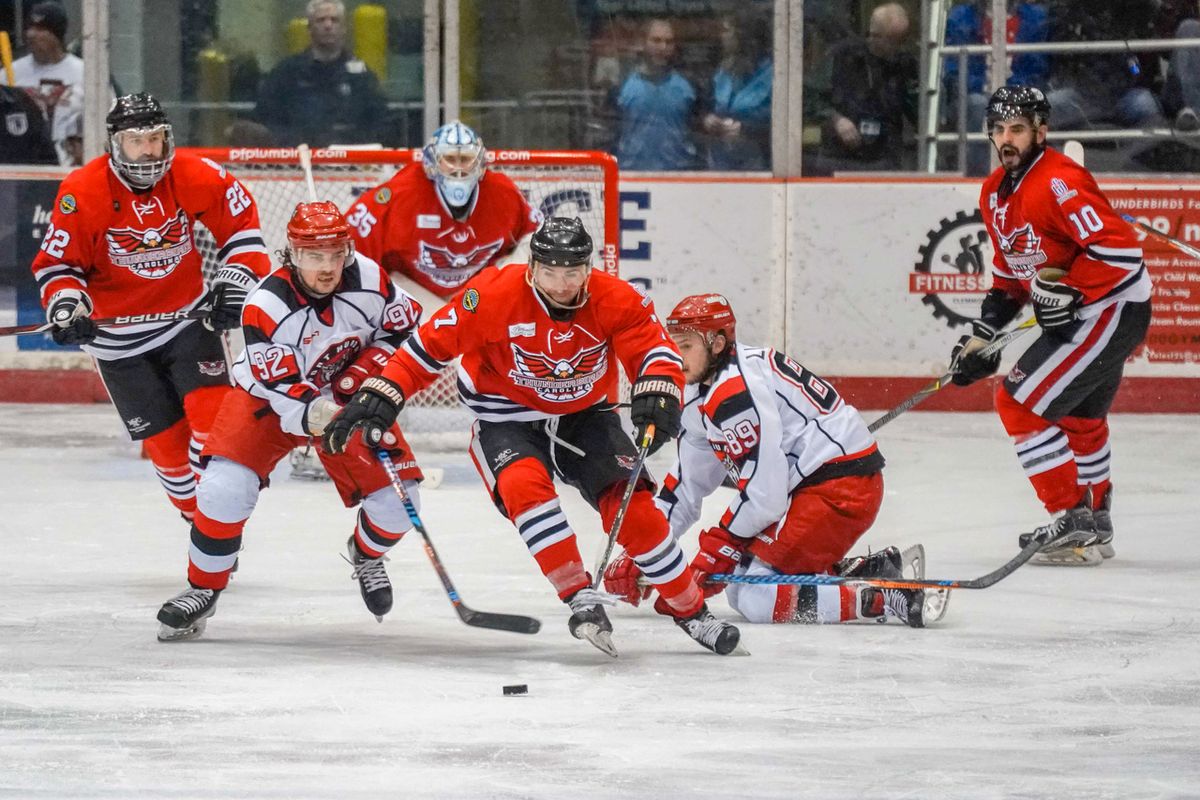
{"x":439,"y":222}
{"x":1058,"y":244}
{"x":540,"y":346}
{"x":120,"y":242}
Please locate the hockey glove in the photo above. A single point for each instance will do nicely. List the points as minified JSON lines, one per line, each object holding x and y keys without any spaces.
{"x":720,"y":553}
{"x":70,"y":312}
{"x":656,"y":400}
{"x":369,"y":362}
{"x":621,"y":578}
{"x":373,"y":408}
{"x":1054,"y":304}
{"x":966,"y":362}
{"x":228,"y":295}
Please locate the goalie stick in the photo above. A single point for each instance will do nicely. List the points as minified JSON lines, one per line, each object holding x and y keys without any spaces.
{"x":995,"y":346}
{"x":514,"y":623}
{"x":104,"y":322}
{"x":982,"y":582}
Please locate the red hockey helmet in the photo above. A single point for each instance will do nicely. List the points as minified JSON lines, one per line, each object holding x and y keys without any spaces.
{"x":317,"y":225}
{"x":705,"y":314}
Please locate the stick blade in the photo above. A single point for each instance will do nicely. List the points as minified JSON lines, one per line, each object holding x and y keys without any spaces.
{"x":513,"y":623}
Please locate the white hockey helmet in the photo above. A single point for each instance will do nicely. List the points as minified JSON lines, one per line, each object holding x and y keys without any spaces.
{"x":455,"y":159}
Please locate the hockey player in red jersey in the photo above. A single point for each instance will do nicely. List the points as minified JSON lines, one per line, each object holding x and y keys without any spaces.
{"x":808,"y":474}
{"x":540,"y":346}
{"x":1059,"y":244}
{"x":315,"y":329}
{"x":439,"y":222}
{"x":120,"y":242}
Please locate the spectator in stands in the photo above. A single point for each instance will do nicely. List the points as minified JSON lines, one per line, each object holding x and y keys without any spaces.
{"x":739,"y":123}
{"x":971,"y":23}
{"x":658,"y":107}
{"x":1103,"y":88}
{"x":324,"y":95}
{"x":25,"y":137}
{"x":1181,"y":92}
{"x":874,"y":91}
{"x":52,"y":75}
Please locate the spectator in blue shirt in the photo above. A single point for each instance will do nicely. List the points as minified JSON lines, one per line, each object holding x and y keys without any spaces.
{"x":658,"y":108}
{"x":739,"y":123}
{"x":971,"y":23}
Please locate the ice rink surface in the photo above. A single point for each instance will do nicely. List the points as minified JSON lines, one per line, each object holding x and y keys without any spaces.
{"x":1054,"y":683}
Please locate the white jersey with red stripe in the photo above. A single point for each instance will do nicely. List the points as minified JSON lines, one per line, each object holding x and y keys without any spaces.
{"x":771,"y":425}
{"x":296,"y":346}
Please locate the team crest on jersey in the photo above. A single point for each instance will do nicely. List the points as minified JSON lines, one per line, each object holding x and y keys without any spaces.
{"x":1016,"y":375}
{"x":211,"y":368}
{"x":1022,"y":250}
{"x":383,"y":195}
{"x":1061,"y":192}
{"x":470,"y":300}
{"x":332,"y":361}
{"x":563,"y":373}
{"x":447,"y":268}
{"x":152,"y":253}
{"x":17,"y":123}
{"x":66,"y":204}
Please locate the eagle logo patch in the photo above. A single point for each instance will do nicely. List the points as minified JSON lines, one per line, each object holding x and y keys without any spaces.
{"x":450,"y":269}
{"x":152,"y":253}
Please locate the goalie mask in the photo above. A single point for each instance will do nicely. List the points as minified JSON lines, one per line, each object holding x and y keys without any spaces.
{"x":454,"y":159}
{"x":560,"y":262}
{"x":319,"y":247}
{"x":140,"y":142}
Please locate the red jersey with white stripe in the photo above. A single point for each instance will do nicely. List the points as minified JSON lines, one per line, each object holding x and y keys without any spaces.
{"x":296,"y":346}
{"x":519,"y":363}
{"x":405,"y":226}
{"x":134,"y":252}
{"x":774,"y":426}
{"x":1056,"y":216}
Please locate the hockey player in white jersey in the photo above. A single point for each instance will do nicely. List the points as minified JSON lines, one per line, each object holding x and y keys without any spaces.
{"x":808,"y":476}
{"x":315,"y":329}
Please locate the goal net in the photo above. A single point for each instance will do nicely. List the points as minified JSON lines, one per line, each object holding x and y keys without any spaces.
{"x":558,"y":183}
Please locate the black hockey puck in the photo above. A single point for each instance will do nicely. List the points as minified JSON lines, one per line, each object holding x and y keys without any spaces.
{"x":516,"y":688}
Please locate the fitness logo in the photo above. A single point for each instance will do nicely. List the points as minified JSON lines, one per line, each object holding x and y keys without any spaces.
{"x":447,"y":268}
{"x":562,"y":373}
{"x":953,"y":270}
{"x":152,"y":253}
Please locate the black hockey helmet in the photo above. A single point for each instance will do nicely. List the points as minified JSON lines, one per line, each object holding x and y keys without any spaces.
{"x":561,"y":242}
{"x":139,"y":112}
{"x":1018,"y":101}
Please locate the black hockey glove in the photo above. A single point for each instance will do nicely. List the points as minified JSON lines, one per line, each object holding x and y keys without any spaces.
{"x":1054,"y":304}
{"x":966,"y":362}
{"x":228,"y":295}
{"x":656,"y":401}
{"x":373,"y":408}
{"x":70,"y":312}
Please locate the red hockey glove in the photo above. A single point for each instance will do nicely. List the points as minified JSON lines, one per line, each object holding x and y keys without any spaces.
{"x":720,"y":553}
{"x":369,"y":362}
{"x":621,"y":579}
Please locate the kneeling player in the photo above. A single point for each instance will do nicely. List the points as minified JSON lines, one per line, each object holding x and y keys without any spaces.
{"x":808,"y":474}
{"x":540,"y":345}
{"x":315,"y":328}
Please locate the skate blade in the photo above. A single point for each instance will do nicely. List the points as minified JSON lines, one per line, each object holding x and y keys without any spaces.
{"x":433,"y":477}
{"x":601,"y":640}
{"x":1088,"y":556}
{"x":912,"y":562}
{"x":935,"y":605}
{"x":168,"y":634}
{"x":1106,"y":550}
{"x":740,"y":650}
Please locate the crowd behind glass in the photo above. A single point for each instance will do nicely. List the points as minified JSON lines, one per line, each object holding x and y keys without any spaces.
{"x":665,"y":86}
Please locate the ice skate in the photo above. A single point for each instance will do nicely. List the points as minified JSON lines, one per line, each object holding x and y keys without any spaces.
{"x":886,"y":563}
{"x":589,"y":620}
{"x":1104,"y":526}
{"x":186,"y":615}
{"x":916,"y":608}
{"x":306,"y":466}
{"x":372,"y":579}
{"x":711,"y":633}
{"x":1069,"y":540}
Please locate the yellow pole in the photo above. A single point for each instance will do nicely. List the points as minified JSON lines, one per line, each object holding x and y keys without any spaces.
{"x":6,"y":57}
{"x":296,"y":36}
{"x":213,"y":87}
{"x":370,"y":38}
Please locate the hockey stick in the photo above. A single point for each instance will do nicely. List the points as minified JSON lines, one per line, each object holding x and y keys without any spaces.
{"x":128,"y":319}
{"x":982,"y":582}
{"x":514,"y":623}
{"x":1182,"y":247}
{"x":993,"y":347}
{"x":643,"y":451}
{"x":305,"y":155}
